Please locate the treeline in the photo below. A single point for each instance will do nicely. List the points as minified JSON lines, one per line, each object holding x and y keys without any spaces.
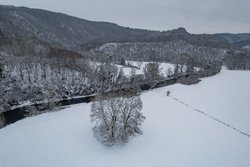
{"x":199,"y":40}
{"x":238,"y":59}
{"x":176,"y":52}
{"x":34,"y":72}
{"x":47,"y":79}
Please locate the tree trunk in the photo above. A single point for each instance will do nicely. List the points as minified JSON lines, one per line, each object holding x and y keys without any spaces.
{"x":2,"y":120}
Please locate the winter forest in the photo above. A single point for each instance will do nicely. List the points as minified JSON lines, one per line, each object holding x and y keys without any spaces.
{"x":75,"y":92}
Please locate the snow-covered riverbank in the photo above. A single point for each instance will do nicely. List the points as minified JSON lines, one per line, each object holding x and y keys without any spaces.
{"x":174,"y":134}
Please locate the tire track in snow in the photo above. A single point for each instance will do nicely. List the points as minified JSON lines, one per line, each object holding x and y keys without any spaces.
{"x":211,"y":117}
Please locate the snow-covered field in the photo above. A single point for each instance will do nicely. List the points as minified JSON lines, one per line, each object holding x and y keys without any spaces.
{"x":164,"y":67}
{"x":140,"y":65}
{"x":174,"y":134}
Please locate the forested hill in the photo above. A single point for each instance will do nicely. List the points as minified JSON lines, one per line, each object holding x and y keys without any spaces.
{"x":56,"y":30}
{"x":59,"y":29}
{"x":241,"y":38}
{"x":74,"y":33}
{"x":48,"y":56}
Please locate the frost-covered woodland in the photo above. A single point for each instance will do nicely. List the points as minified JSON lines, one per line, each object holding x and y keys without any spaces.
{"x":178,"y":52}
{"x":47,"y":60}
{"x":33,"y":72}
{"x":24,"y":79}
{"x":174,"y":51}
{"x":185,"y":97}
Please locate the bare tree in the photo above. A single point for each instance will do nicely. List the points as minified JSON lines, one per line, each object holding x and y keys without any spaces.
{"x":106,"y":76}
{"x":121,"y":78}
{"x":2,"y":120}
{"x":176,"y":70}
{"x":1,"y":70}
{"x":123,"y":62}
{"x":139,"y":64}
{"x":116,"y":119}
{"x":169,"y":72}
{"x":49,"y":98}
{"x":152,"y":72}
{"x":32,"y":111}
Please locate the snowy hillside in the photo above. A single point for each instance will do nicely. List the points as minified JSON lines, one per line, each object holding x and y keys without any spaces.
{"x":164,"y":67}
{"x":175,"y":134}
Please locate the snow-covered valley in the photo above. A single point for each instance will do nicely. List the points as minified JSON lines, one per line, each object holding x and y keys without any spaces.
{"x":174,"y":134}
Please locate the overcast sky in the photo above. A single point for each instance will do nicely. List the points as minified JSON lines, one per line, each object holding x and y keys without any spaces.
{"x":197,"y":16}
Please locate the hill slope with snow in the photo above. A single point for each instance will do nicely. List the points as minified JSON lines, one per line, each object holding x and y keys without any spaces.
{"x":174,"y":133}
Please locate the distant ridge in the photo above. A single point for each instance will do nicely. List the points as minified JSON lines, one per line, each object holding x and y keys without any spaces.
{"x":59,"y":29}
{"x":64,"y":31}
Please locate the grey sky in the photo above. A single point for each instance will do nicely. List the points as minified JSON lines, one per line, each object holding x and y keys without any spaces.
{"x":197,"y":16}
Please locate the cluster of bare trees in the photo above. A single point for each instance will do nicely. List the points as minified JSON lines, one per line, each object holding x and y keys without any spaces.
{"x":153,"y":72}
{"x":177,"y":52}
{"x":116,"y":119}
{"x":66,"y":75}
{"x":25,"y":79}
{"x":55,"y":78}
{"x":239,"y":60}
